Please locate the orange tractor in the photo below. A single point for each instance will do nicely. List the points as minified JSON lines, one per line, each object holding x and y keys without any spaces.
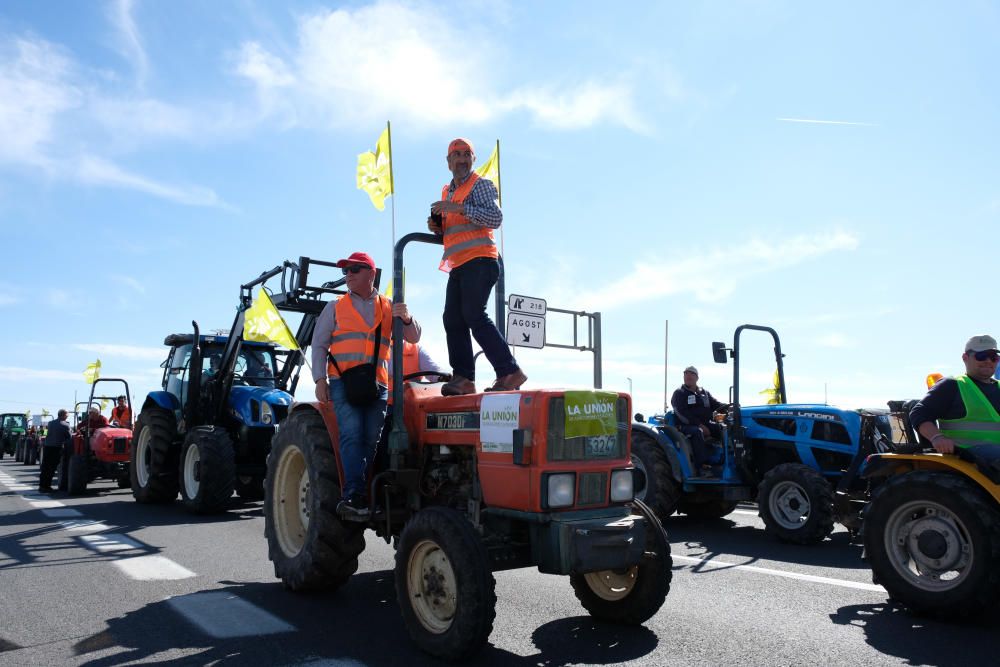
{"x":100,"y":452}
{"x":474,"y":484}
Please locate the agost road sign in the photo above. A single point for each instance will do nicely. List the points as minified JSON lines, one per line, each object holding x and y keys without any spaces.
{"x":525,"y":330}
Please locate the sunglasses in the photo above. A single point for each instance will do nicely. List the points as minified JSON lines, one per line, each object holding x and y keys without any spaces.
{"x":357,"y":268}
{"x":984,"y":355}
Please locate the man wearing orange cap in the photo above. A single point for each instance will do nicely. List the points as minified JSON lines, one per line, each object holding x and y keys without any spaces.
{"x":351,"y":332}
{"x":466,"y":216}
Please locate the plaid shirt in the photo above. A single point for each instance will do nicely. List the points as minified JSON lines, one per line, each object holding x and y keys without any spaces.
{"x":481,"y":205}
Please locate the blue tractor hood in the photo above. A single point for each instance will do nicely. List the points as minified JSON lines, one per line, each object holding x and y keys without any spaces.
{"x":245,"y":403}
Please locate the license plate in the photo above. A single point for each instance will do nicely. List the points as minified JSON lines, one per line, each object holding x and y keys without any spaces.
{"x":601,"y":445}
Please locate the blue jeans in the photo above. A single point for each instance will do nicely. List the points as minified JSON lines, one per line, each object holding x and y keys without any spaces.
{"x":359,"y":432}
{"x":469,"y":288}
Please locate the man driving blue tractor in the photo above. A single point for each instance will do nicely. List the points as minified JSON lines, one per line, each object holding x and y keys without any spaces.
{"x":694,"y":407}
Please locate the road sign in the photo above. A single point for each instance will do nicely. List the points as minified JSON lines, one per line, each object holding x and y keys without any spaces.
{"x":525,"y":330}
{"x":525,"y":304}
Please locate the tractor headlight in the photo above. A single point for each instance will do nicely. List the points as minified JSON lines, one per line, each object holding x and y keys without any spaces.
{"x":561,"y":488}
{"x":266,"y":413}
{"x":621,"y":486}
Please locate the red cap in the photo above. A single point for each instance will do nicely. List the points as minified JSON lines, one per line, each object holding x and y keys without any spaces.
{"x":460,"y":144}
{"x":357,"y":258}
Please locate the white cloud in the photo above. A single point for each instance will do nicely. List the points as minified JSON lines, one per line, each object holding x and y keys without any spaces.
{"x":131,"y":282}
{"x":130,"y":42}
{"x":112,"y":350}
{"x":18,"y":374}
{"x":394,"y":60}
{"x":97,"y":171}
{"x":834,"y":340}
{"x":816,"y":121}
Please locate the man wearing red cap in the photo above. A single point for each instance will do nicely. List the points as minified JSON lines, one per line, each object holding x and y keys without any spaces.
{"x":351,"y":332}
{"x":466,"y":216}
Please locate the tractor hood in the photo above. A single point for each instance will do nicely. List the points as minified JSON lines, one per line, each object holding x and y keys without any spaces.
{"x":259,"y":406}
{"x":795,"y":410}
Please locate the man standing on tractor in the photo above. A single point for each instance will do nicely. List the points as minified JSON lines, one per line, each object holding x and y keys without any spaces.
{"x":693,"y":406}
{"x":121,"y":414}
{"x":966,"y":408}
{"x":57,"y":439}
{"x":352,"y":343}
{"x":466,"y":216}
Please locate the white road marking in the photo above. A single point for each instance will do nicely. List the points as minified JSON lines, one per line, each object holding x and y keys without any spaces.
{"x":110,"y":542}
{"x":84,"y":526}
{"x":223,"y":615}
{"x":45,"y":504}
{"x":150,"y":568}
{"x":750,"y":512}
{"x":61,"y":513}
{"x":844,"y":583}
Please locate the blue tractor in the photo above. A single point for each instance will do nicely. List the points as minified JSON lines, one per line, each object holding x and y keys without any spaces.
{"x":208,"y":431}
{"x":800,"y":463}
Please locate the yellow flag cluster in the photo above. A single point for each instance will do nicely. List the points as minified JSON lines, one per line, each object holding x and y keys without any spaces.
{"x":375,"y":171}
{"x":92,"y":372}
{"x":264,"y":324}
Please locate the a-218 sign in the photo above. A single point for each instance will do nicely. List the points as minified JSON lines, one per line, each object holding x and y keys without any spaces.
{"x":526,"y":321}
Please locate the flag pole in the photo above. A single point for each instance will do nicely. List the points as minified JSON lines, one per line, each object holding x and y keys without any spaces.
{"x":499,"y":195}
{"x":392,"y":183}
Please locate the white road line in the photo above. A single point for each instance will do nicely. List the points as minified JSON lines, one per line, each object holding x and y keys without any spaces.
{"x":223,"y":615}
{"x":84,"y":526}
{"x":61,"y":513}
{"x":150,"y":568}
{"x":844,"y":583}
{"x":106,"y":542}
{"x":750,"y":512}
{"x":45,"y":504}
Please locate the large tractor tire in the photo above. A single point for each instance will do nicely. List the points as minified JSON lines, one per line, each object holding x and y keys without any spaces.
{"x":250,"y":487}
{"x":662,"y":491}
{"x":714,"y":508}
{"x":796,"y":504}
{"x":19,"y":451}
{"x":77,"y":476}
{"x":311,"y":548}
{"x":208,"y":469}
{"x":933,"y":542}
{"x":444,"y":584}
{"x":153,"y":459}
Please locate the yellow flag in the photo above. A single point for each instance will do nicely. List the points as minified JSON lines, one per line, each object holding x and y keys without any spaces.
{"x":104,"y":404}
{"x":375,"y":171}
{"x":388,"y":289}
{"x":491,"y":168}
{"x":92,"y":372}
{"x":263,"y":323}
{"x":773,"y":393}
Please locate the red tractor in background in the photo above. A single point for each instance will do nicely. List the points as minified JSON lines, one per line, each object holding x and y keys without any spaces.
{"x":100,"y":452}
{"x":474,"y":484}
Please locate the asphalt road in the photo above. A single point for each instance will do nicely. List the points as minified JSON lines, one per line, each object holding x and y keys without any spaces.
{"x":100,"y":580}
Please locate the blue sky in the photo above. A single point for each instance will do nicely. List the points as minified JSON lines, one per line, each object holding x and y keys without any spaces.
{"x":830,"y":171}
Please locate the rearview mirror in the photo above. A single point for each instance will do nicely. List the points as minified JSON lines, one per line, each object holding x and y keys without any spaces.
{"x":719,"y":352}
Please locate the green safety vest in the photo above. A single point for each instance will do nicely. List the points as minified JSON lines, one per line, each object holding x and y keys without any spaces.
{"x":981,"y":423}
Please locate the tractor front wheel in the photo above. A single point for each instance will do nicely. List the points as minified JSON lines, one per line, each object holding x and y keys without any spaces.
{"x":933,"y":542}
{"x":629,"y":596}
{"x":310,"y":546}
{"x":208,"y":469}
{"x":77,"y":477}
{"x":153,"y":459}
{"x":796,"y":504}
{"x":662,"y":491}
{"x":444,"y":585}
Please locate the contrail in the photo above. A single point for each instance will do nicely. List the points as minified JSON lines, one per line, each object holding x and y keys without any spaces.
{"x":823,"y":122}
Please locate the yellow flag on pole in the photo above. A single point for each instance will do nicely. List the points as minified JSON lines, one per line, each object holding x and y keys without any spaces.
{"x":388,"y":289}
{"x":773,"y":393}
{"x":491,"y":168}
{"x":375,"y":171}
{"x":264,"y":324}
{"x":92,"y":372}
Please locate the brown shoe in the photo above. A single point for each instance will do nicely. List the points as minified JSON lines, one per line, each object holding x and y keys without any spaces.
{"x":458,"y":386}
{"x":509,"y":382}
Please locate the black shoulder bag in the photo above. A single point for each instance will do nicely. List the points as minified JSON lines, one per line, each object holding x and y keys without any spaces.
{"x":360,"y":385}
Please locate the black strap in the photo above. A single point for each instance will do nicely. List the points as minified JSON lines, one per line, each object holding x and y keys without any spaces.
{"x":378,"y":341}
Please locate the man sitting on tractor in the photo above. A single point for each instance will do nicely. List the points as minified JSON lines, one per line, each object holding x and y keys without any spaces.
{"x":94,"y":421}
{"x":120,"y":414}
{"x":693,"y":406}
{"x":964,"y":410}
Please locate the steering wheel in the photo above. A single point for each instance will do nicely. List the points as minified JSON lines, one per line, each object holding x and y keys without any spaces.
{"x":442,"y":377}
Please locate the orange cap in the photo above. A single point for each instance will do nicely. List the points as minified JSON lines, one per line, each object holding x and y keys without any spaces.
{"x":460,"y":144}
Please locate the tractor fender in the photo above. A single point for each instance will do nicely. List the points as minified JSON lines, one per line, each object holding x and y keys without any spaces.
{"x":885,"y":465}
{"x":163,"y":399}
{"x":668,"y":447}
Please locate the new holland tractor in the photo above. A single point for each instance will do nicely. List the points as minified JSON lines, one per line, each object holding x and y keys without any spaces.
{"x":208,"y":431}
{"x":799,"y":462}
{"x":100,"y":453}
{"x":931,"y":531}
{"x":473,"y":485}
{"x":12,"y":426}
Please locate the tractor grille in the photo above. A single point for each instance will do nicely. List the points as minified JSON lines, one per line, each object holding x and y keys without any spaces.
{"x":593,"y":488}
{"x":120,"y":445}
{"x":561,"y":448}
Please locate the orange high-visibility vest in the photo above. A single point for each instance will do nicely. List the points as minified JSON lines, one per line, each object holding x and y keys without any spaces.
{"x":121,"y":415}
{"x":353,"y":341}
{"x":464,"y":240}
{"x":411,"y":362}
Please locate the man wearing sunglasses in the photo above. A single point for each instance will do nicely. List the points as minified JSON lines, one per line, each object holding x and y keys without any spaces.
{"x":964,"y":410}
{"x":344,"y":338}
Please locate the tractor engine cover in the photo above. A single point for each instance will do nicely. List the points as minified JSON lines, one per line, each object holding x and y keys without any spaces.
{"x":111,"y":444}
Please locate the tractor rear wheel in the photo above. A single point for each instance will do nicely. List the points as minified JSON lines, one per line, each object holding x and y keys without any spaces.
{"x":77,"y":477}
{"x":662,"y":491}
{"x":18,"y":452}
{"x":444,"y":585}
{"x":153,"y":459}
{"x":933,"y":542}
{"x":207,"y":469}
{"x":796,"y":504}
{"x":715,"y":508}
{"x":310,"y":546}
{"x":633,"y":595}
